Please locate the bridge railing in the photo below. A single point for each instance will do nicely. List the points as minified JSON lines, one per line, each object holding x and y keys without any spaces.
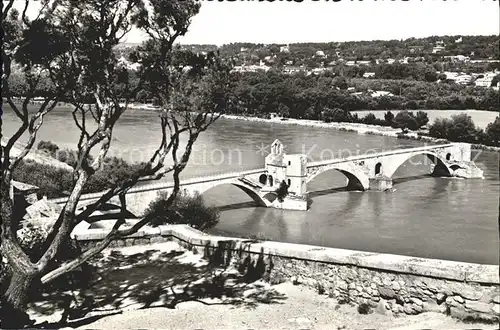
{"x":381,"y":154}
{"x":159,"y":185}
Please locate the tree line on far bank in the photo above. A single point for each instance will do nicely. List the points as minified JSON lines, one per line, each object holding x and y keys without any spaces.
{"x":305,"y":96}
{"x":457,"y":128}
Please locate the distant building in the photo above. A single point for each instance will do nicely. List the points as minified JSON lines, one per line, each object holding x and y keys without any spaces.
{"x":380,"y":93}
{"x":369,"y":75}
{"x":459,"y":40}
{"x":458,"y":58}
{"x":414,"y":49}
{"x":293,"y":69}
{"x":350,"y":63}
{"x":486,"y":80}
{"x":318,"y":70}
{"x":251,"y":68}
{"x":320,"y":53}
{"x":390,"y":61}
{"x":437,"y":49}
{"x":243,"y":49}
{"x":458,"y":77}
{"x":285,"y":49}
{"x":405,"y":60}
{"x":122,"y":61}
{"x":363,"y":62}
{"x":463,"y":79}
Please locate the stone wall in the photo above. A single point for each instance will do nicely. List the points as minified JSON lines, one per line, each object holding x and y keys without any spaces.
{"x":392,"y":284}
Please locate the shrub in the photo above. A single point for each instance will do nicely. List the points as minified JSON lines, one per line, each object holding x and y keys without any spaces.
{"x":421,"y":118}
{"x":389,"y":118}
{"x":113,"y":170}
{"x":186,"y":209}
{"x":364,"y":309}
{"x":336,"y":115}
{"x":462,"y":128}
{"x":49,"y":147}
{"x":405,"y":120}
{"x":282,"y":191}
{"x":51,"y":181}
{"x":369,"y":119}
{"x":440,"y":127}
{"x":493,"y":132}
{"x":67,"y":156}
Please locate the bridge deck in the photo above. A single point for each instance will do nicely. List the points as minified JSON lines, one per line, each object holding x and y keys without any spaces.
{"x":374,"y":155}
{"x":169,"y":184}
{"x":238,"y":174}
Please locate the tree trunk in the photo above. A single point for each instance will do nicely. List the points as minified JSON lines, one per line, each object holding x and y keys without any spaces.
{"x":15,"y":299}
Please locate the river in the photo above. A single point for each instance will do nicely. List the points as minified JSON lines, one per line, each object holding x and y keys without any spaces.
{"x":442,"y":218}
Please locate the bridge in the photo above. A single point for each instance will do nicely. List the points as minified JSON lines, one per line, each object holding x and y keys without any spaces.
{"x":291,"y":173}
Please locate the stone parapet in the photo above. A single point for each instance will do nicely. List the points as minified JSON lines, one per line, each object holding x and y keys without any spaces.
{"x":400,"y":284}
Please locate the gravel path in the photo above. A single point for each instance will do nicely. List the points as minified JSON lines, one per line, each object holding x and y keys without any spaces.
{"x":303,"y":309}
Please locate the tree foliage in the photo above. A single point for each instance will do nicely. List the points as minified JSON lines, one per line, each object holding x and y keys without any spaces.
{"x":405,"y":120}
{"x":461,"y":128}
{"x":186,"y":209}
{"x":84,"y":70}
{"x":493,"y":132}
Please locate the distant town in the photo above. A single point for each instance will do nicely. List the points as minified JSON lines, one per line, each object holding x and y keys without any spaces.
{"x":464,"y":60}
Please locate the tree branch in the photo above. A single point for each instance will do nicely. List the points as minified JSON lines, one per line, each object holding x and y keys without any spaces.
{"x":7,"y":9}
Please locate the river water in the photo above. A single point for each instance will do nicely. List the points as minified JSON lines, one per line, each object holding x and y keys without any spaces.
{"x":443,"y":218}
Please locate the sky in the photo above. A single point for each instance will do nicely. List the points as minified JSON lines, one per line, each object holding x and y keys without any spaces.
{"x":325,"y":21}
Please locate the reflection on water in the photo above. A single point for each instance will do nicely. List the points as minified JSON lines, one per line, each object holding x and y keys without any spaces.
{"x":427,"y":217}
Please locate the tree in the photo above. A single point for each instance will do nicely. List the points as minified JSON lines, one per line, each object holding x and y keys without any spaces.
{"x":282,"y":191}
{"x":186,"y":209}
{"x":389,"y":118}
{"x":283,"y":110}
{"x":405,"y":120}
{"x":370,"y":119}
{"x":462,"y":128}
{"x":421,"y":118}
{"x":493,"y":132}
{"x":71,"y":43}
{"x":340,"y":82}
{"x":336,"y":115}
{"x":440,"y":128}
{"x":495,"y":80}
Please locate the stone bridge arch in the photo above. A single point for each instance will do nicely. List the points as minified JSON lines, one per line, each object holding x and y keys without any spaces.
{"x":355,"y":174}
{"x":252,"y":193}
{"x":391,"y":164}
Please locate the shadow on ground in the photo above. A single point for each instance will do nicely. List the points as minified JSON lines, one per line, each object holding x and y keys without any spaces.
{"x":153,"y":279}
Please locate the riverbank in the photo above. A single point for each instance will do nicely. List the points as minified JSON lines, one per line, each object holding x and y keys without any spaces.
{"x":38,"y":156}
{"x":356,"y":128}
{"x":481,"y":118}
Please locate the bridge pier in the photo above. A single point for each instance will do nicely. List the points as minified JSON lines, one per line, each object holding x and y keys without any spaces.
{"x":380,"y":183}
{"x":463,"y":169}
